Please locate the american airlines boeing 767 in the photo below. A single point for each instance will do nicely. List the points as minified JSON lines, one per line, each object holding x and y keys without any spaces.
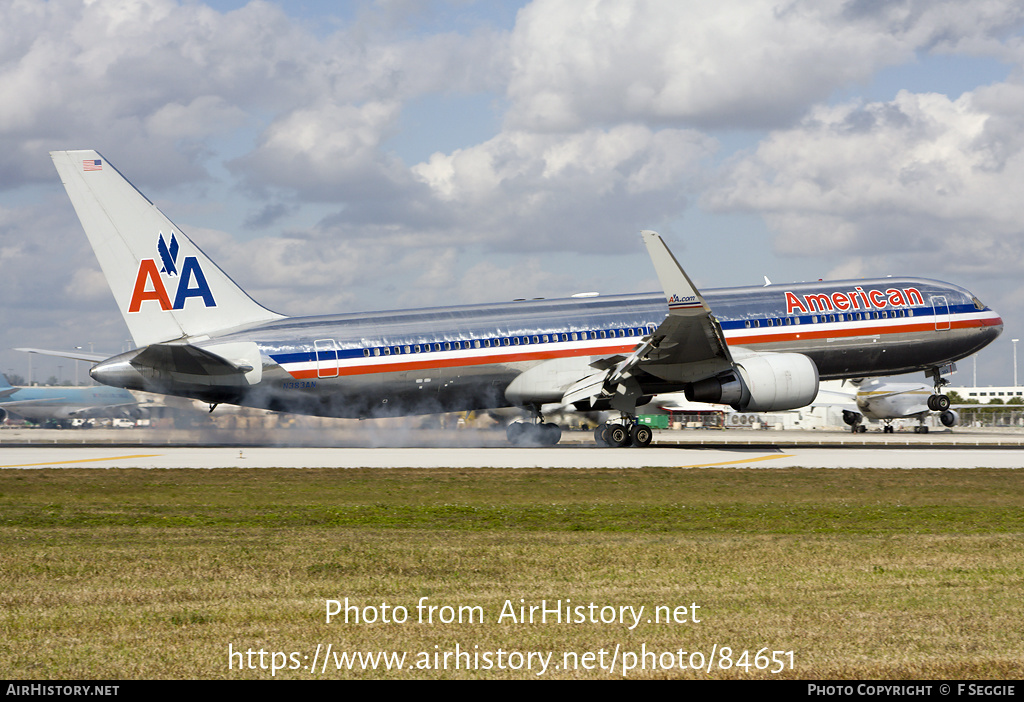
{"x":199,"y":335}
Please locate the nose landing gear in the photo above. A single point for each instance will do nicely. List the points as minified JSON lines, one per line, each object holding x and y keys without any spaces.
{"x":939,"y":402}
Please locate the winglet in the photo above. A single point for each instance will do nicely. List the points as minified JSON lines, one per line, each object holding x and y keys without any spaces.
{"x":680,"y":291}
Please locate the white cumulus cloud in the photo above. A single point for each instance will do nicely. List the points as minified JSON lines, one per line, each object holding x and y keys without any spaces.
{"x":715,"y":63}
{"x":922,"y":174}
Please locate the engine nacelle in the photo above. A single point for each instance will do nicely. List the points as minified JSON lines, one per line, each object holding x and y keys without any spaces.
{"x":3,"y":416}
{"x":949,"y":418}
{"x":766,"y":383}
{"x":724,"y":389}
{"x":852,"y":418}
{"x":778,"y":381}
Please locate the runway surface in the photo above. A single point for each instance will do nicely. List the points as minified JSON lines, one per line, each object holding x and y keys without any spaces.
{"x":30,"y":457}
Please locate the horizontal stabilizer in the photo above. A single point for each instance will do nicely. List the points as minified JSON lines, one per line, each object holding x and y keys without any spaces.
{"x":158,"y":365}
{"x":77,"y":354}
{"x":185,"y":359}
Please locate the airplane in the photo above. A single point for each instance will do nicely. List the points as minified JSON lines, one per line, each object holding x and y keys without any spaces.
{"x":831,"y":393}
{"x":883,"y":400}
{"x":199,"y":335}
{"x":59,"y":405}
{"x":876,"y":399}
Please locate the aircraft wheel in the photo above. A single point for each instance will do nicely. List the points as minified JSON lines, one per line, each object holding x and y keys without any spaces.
{"x":861,"y":428}
{"x":941,"y":403}
{"x":924,"y":430}
{"x":888,"y":430}
{"x":550,"y":434}
{"x":516,"y":432}
{"x":641,"y":435}
{"x":617,"y":435}
{"x":599,"y":435}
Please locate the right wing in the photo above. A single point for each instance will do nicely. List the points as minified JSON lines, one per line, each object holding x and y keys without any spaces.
{"x":687,"y":346}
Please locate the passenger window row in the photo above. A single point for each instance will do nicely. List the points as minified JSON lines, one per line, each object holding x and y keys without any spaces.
{"x":819,"y":319}
{"x":507,"y":341}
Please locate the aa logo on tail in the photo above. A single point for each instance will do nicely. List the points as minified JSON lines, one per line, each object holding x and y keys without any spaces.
{"x":190,"y":281}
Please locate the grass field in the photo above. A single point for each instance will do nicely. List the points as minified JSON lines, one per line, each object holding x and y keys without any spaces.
{"x":859,"y":573}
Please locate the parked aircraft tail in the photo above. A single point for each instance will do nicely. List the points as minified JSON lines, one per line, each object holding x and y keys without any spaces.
{"x":165,"y":286}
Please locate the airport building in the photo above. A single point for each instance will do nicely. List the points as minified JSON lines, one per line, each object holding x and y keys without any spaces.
{"x":985,"y":395}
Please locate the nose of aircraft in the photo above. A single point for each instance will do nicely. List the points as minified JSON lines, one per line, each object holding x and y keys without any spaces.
{"x":990,"y":323}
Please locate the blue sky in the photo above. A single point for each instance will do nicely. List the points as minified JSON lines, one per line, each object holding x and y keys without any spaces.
{"x":370,"y":155}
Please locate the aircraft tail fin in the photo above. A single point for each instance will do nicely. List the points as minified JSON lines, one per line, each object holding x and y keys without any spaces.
{"x":165,"y":286}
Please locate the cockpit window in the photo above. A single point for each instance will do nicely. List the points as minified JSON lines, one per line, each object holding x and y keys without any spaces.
{"x":977,"y":303}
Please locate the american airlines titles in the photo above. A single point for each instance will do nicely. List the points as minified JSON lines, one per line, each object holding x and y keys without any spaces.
{"x":684,"y":301}
{"x":856,"y":299}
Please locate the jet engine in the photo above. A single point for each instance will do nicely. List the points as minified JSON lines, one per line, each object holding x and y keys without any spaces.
{"x":949,"y":418}
{"x":764,"y":383}
{"x":3,"y":416}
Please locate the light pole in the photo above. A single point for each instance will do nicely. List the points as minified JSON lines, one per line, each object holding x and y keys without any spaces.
{"x":1014,"y":361}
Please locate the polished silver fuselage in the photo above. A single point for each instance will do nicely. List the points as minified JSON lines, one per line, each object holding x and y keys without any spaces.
{"x":463,"y":358}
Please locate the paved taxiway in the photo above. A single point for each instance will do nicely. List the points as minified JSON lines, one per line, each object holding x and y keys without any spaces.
{"x":28,"y":457}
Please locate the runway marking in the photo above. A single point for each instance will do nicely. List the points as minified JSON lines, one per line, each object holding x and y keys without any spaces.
{"x":81,"y":460}
{"x":745,"y":460}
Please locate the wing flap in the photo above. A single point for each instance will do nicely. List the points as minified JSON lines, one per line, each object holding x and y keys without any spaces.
{"x":586,"y":390}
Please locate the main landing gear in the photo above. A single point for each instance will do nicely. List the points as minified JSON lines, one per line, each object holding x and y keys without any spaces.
{"x":614,"y":434}
{"x":533,"y":433}
{"x":626,"y":433}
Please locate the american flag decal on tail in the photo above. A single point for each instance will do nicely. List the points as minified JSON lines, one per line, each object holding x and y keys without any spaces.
{"x":92,"y":164}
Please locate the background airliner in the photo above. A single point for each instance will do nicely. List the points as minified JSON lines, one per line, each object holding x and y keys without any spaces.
{"x":885,"y":401}
{"x":758,"y":349}
{"x":61,"y":404}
